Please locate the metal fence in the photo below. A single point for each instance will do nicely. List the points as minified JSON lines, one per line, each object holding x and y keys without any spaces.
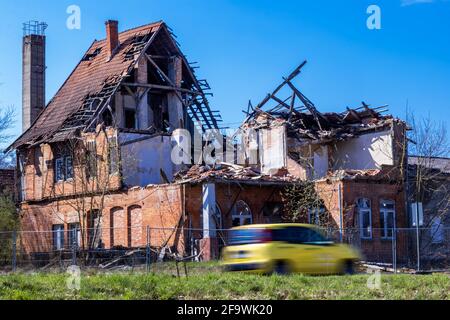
{"x":396,"y":250}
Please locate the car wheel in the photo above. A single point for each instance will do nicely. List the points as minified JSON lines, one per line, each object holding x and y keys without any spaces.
{"x":281,"y":268}
{"x":348,"y":268}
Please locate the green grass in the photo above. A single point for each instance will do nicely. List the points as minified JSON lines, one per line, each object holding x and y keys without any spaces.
{"x":205,"y":281}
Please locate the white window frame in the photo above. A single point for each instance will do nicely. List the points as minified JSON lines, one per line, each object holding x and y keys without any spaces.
{"x":362,"y":210}
{"x":239,"y":215}
{"x":314,"y":215}
{"x":58,"y":236}
{"x":385,"y":213}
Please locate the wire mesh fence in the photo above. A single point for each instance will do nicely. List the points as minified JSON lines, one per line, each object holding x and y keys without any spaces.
{"x":422,"y":249}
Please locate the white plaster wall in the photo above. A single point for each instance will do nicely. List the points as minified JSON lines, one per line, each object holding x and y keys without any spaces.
{"x":273,"y":149}
{"x":369,"y":151}
{"x":142,"y":160}
{"x":320,"y":162}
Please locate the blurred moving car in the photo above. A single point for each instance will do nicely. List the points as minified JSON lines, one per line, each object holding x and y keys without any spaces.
{"x":286,"y":248}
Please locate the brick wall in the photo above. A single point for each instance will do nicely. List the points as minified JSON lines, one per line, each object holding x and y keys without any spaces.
{"x":124,"y":219}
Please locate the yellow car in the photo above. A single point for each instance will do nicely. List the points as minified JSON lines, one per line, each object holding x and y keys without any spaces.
{"x":286,"y":248}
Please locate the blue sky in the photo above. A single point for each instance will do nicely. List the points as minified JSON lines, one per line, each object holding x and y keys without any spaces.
{"x":245,"y":47}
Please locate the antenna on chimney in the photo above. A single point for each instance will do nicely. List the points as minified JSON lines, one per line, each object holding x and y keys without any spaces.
{"x":34,"y":28}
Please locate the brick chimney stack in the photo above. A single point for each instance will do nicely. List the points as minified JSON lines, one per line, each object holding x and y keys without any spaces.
{"x":33,"y":72}
{"x":112,"y":36}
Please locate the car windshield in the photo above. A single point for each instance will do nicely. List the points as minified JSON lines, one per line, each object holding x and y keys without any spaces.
{"x":248,"y":236}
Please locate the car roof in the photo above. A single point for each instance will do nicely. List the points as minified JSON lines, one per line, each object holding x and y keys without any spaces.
{"x":274,"y":226}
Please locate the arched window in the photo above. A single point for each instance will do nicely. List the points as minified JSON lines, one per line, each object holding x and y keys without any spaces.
{"x":365,"y":218}
{"x":242,"y":215}
{"x":135,"y":234}
{"x":117,"y":223}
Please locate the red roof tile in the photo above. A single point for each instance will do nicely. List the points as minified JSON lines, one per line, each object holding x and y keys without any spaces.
{"x":87,"y":79}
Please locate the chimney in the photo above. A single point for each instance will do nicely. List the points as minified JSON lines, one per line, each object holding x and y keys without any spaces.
{"x":33,"y":71}
{"x":112,"y":37}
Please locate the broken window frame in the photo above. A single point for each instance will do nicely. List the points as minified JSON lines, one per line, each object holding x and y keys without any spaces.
{"x":69,"y":172}
{"x":364,"y":206}
{"x":59,"y":169}
{"x":74,"y":234}
{"x":387,"y":209}
{"x":239,"y":214}
{"x":125,"y":118}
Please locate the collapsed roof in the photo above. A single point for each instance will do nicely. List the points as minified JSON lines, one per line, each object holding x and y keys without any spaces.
{"x":227,"y":172}
{"x":305,"y":122}
{"x":85,"y":95}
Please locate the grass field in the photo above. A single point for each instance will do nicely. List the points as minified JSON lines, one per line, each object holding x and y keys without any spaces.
{"x":205,"y":281}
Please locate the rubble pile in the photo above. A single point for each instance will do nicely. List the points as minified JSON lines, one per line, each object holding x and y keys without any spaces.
{"x":228,"y":172}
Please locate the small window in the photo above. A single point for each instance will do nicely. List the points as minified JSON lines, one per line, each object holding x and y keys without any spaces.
{"x":387,"y":218}
{"x":74,"y":234}
{"x":242,"y":214}
{"x":69,"y":168}
{"x":437,"y":230}
{"x":59,"y":169}
{"x":365,"y":218}
{"x":272,"y":209}
{"x":58,"y":236}
{"x":314,"y":215}
{"x":130,"y":119}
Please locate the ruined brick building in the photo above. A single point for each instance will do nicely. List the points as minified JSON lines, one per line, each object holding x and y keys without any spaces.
{"x":94,"y":165}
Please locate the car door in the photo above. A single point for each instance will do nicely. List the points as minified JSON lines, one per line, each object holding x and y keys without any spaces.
{"x":325,"y":259}
{"x":291,"y":247}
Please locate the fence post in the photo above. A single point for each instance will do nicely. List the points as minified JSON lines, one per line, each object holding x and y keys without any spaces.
{"x":148,"y":253}
{"x":417,"y":236}
{"x":394,"y":250}
{"x":341,"y":214}
{"x":14,"y":251}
